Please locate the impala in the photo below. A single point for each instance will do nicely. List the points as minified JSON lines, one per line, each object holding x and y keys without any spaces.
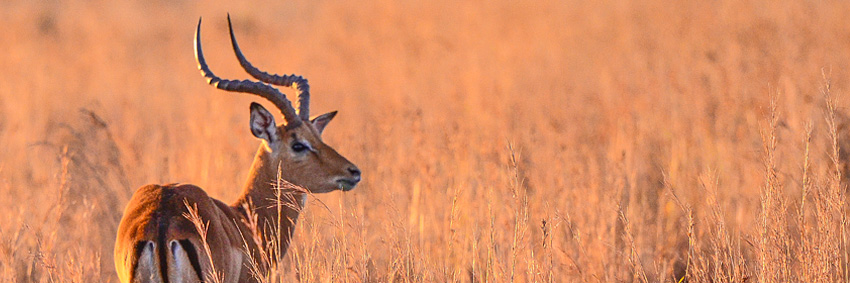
{"x":157,"y":242}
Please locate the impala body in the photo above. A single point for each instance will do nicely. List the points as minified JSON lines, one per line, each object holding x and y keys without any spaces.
{"x":156,"y":240}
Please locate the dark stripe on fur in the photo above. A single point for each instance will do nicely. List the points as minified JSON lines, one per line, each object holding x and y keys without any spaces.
{"x":162,"y":232}
{"x":193,"y":257}
{"x":163,"y":250}
{"x":137,"y":253}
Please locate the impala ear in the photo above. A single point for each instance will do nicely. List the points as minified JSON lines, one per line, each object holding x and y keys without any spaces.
{"x":321,"y":121}
{"x":262,"y":124}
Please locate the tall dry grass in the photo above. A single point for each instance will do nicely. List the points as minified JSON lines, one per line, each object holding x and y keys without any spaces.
{"x":554,"y":141}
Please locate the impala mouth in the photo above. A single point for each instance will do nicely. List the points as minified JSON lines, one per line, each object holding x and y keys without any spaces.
{"x":346,"y":184}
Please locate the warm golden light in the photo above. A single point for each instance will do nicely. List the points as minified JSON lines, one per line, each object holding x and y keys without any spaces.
{"x":540,"y":141}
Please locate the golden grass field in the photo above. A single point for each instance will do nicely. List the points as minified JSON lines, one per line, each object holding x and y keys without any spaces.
{"x":544,"y":141}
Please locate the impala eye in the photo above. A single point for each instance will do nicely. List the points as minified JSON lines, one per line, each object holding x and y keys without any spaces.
{"x":299,"y":147}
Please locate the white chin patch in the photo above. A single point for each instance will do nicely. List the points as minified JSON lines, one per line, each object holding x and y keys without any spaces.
{"x":345,"y":186}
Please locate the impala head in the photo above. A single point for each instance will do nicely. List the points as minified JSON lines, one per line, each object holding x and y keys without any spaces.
{"x":296,"y":144}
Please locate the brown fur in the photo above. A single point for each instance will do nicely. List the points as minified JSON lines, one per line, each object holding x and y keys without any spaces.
{"x":156,"y":213}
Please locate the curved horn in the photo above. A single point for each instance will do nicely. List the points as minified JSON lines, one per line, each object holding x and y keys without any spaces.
{"x":296,"y":82}
{"x":266,"y":91}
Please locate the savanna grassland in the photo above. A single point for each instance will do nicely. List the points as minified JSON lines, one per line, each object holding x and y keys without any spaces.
{"x":544,"y":141}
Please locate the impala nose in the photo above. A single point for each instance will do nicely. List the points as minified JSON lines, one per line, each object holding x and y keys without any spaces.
{"x":347,"y":184}
{"x":354,"y":173}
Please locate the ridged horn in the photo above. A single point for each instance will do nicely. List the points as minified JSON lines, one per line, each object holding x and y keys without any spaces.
{"x":246,"y":86}
{"x":296,"y":82}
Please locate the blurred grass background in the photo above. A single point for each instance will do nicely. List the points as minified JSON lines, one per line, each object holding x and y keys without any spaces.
{"x":503,"y":141}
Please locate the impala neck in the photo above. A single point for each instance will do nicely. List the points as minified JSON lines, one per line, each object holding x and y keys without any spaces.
{"x":260,"y":192}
